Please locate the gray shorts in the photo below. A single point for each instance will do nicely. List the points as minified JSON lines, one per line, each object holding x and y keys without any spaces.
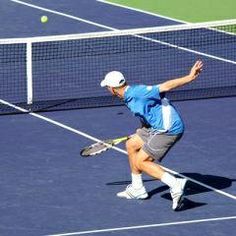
{"x":157,"y":144}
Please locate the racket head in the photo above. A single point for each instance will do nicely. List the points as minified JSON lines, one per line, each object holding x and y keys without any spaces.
{"x":102,"y":146}
{"x":96,"y":148}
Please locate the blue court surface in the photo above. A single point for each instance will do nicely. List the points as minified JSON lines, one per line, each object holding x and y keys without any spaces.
{"x":48,"y":189}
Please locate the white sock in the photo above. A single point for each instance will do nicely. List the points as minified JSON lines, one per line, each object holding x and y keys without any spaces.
{"x":137,"y":181}
{"x":168,"y":179}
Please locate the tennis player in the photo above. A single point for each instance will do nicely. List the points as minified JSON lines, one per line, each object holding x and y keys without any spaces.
{"x":161,"y":128}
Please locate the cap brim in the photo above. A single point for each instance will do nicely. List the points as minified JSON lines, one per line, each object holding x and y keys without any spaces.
{"x":103,"y":83}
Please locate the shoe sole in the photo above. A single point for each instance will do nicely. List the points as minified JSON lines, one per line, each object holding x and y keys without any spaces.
{"x":141,"y":197}
{"x":179,"y":205}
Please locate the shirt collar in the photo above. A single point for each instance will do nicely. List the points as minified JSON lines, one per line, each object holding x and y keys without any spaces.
{"x":127,"y":87}
{"x":125,"y":93}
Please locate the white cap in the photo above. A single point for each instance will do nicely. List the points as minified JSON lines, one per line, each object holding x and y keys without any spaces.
{"x":114,"y":79}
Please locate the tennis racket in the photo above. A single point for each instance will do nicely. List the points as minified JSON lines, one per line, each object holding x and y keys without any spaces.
{"x":102,"y":146}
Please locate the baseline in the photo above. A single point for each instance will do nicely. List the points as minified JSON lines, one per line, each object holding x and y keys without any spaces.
{"x":146,"y":226}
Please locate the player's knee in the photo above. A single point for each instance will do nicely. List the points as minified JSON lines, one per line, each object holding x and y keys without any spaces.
{"x":130,"y":145}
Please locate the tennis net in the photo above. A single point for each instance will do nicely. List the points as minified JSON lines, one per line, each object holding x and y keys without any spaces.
{"x":64,"y":72}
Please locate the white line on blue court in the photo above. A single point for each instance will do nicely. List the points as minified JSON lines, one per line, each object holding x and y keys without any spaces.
{"x":66,"y":127}
{"x":115,"y":29}
{"x":142,"y":11}
{"x":62,"y":14}
{"x":147,"y":226}
{"x":156,"y":15}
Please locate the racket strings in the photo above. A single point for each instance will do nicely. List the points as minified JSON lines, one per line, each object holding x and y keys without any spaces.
{"x":96,"y":148}
{"x":102,"y":146}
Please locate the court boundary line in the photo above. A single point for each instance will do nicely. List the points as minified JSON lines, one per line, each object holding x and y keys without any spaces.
{"x":157,"y":15}
{"x":62,"y":14}
{"x":66,"y":127}
{"x":146,"y":226}
{"x":114,"y":29}
{"x":143,"y":11}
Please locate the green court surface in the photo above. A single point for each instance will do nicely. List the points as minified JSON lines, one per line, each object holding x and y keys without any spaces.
{"x":186,"y":10}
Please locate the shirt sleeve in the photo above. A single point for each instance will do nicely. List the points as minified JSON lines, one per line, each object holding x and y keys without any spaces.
{"x":149,"y":92}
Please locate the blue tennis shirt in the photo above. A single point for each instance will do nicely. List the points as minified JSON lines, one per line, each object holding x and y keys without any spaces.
{"x":153,"y":109}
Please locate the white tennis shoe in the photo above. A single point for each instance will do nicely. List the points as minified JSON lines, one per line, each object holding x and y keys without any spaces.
{"x":177,"y":193}
{"x":132,"y":193}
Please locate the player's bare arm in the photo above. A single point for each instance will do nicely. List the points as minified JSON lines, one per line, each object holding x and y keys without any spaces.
{"x":175,"y":83}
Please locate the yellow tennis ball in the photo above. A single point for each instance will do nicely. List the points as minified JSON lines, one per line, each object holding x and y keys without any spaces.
{"x":44,"y":19}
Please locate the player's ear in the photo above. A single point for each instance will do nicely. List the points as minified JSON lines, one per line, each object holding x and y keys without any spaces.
{"x":113,"y":91}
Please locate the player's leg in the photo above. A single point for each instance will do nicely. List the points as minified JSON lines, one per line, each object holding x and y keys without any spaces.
{"x":145,"y":163}
{"x":136,"y":189}
{"x":133,"y":145}
{"x":156,"y":148}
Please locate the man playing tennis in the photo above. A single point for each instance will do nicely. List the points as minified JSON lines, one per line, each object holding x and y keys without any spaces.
{"x":161,"y":128}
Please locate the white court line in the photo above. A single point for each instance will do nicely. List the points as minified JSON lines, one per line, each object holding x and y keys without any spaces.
{"x":114,"y":29}
{"x":62,"y":14}
{"x":115,"y":148}
{"x":142,"y":11}
{"x":146,"y":226}
{"x":157,"y":15}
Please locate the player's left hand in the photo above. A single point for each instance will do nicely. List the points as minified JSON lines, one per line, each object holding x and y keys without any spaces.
{"x":196,"y":69}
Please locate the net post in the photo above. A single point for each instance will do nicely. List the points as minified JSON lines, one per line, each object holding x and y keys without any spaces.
{"x":29,"y":76}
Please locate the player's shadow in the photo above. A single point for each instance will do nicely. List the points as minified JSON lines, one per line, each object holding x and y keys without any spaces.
{"x":215,"y":182}
{"x":127,"y":182}
{"x":192,"y":188}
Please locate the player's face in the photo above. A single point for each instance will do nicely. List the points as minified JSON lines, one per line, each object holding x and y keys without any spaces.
{"x":114,"y":92}
{"x":111,"y":90}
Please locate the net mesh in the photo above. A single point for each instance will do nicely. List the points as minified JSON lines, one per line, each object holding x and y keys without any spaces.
{"x":67,"y":70}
